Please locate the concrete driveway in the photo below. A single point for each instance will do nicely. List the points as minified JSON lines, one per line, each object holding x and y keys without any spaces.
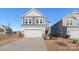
{"x":29,"y":44}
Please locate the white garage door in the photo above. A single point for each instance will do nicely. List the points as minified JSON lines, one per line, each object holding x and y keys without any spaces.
{"x":74,"y":34}
{"x":33,"y":33}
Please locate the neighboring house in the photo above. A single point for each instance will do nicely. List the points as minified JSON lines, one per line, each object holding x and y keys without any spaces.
{"x":48,"y":29}
{"x":5,"y":30}
{"x":33,"y":24}
{"x":69,"y":25}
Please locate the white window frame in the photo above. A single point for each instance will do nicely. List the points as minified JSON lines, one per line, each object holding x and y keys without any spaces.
{"x":42,"y":20}
{"x":25,"y":21}
{"x":38,"y":20}
{"x":69,"y":23}
{"x":31,"y":20}
{"x":78,"y":23}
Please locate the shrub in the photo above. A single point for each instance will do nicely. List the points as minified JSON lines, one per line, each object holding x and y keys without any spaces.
{"x":50,"y":36}
{"x":44,"y":38}
{"x":46,"y":31}
{"x":66,"y":36}
{"x":55,"y":35}
{"x":75,"y":41}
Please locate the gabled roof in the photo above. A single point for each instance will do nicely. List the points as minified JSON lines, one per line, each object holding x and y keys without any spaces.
{"x":5,"y":28}
{"x":33,"y":12}
{"x":1,"y":30}
{"x":74,"y":14}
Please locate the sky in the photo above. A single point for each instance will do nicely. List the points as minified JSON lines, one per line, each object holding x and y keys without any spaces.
{"x":12,"y":16}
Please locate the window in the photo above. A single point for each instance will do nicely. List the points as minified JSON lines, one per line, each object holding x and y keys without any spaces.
{"x":68,"y":31}
{"x":78,"y":22}
{"x":41,"y":21}
{"x":70,"y":22}
{"x":30,"y":21}
{"x":67,"y":22}
{"x":26,"y":21}
{"x":37,"y":21}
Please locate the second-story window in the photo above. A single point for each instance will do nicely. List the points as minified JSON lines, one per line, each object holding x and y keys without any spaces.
{"x":30,"y":21}
{"x":26,"y":21}
{"x":41,"y":21}
{"x":37,"y":21}
{"x":70,"y":22}
{"x":67,"y":22}
{"x":78,"y":22}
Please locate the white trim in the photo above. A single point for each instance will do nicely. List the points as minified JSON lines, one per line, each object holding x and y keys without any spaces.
{"x":31,"y":21}
{"x":42,"y":20}
{"x":28,"y":20}
{"x":22,"y":22}
{"x":34,"y":10}
{"x":69,"y":23}
{"x":38,"y":20}
{"x":25,"y":21}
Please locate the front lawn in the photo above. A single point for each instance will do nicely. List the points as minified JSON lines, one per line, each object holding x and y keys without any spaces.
{"x":61,"y":44}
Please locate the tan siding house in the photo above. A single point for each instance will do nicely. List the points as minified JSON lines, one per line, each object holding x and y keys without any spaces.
{"x":33,"y":23}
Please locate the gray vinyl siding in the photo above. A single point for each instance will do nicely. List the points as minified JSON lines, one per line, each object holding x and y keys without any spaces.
{"x":58,"y":29}
{"x":34,"y":25}
{"x":64,"y":30}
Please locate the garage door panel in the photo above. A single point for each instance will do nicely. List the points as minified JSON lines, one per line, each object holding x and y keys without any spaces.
{"x":33,"y":33}
{"x":74,"y":34}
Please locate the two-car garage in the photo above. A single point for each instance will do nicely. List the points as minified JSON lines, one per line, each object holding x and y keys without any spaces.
{"x":74,"y":34}
{"x":33,"y":32}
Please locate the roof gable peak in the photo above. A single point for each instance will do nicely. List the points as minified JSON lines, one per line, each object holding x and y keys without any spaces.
{"x":33,"y":12}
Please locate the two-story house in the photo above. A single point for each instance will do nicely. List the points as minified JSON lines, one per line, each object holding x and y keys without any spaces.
{"x":69,"y":25}
{"x":33,"y":24}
